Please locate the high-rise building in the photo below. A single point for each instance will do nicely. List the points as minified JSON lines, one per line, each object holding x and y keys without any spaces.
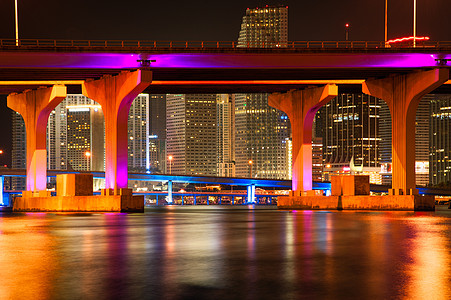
{"x":264,"y":27}
{"x":191,"y":133}
{"x":351,"y":133}
{"x":19,"y":155}
{"x":75,"y":127}
{"x":261,"y":131}
{"x":225,"y":120}
{"x":422,"y":142}
{"x":157,"y":130}
{"x":440,"y":139}
{"x":138,"y":135}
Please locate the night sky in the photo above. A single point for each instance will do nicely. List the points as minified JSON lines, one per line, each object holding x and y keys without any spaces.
{"x":214,"y":21}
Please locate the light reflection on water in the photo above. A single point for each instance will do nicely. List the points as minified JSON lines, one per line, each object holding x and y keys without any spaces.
{"x":226,"y":252}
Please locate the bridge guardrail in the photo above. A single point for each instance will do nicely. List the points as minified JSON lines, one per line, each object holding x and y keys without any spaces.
{"x":45,"y":43}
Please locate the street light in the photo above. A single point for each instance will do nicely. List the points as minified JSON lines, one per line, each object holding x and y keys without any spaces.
{"x":88,"y":155}
{"x":17,"y":23}
{"x":170,"y":158}
{"x":250,"y":167}
{"x":414,"y":22}
{"x":347,"y":31}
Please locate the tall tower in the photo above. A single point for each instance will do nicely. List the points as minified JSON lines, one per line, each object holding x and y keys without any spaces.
{"x":138,"y":135}
{"x":440,"y":139}
{"x":19,"y":155}
{"x":157,"y":131}
{"x":192,"y":133}
{"x":351,"y":132}
{"x":261,"y":131}
{"x":225,"y":118}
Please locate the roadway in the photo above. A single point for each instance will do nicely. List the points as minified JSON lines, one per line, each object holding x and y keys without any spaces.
{"x":191,"y":67}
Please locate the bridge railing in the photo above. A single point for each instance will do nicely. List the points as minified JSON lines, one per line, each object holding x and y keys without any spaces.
{"x":45,"y":43}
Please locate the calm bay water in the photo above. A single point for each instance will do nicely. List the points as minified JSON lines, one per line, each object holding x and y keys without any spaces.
{"x":213,"y":252}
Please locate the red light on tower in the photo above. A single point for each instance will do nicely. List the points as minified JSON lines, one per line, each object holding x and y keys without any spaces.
{"x":347,"y":25}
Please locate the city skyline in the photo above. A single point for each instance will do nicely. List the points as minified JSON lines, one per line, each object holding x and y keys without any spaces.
{"x":308,"y":21}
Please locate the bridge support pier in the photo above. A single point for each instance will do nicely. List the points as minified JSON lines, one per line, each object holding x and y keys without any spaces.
{"x":251,"y":194}
{"x":170,"y":200}
{"x":2,"y":190}
{"x":402,"y":93}
{"x":115,"y":94}
{"x":35,"y":107}
{"x":301,"y":107}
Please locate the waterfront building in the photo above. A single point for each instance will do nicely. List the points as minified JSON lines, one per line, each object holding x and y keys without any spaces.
{"x":422,"y":142}
{"x":225,"y":120}
{"x":191,"y":134}
{"x":440,"y":140}
{"x":350,"y":133}
{"x":157,"y":131}
{"x":261,"y":131}
{"x":18,"y":151}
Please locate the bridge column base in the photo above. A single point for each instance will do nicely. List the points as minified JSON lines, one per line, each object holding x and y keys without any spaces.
{"x":366,"y":202}
{"x":111,"y":203}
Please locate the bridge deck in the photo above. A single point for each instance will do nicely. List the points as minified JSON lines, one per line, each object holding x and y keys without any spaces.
{"x":203,"y":67}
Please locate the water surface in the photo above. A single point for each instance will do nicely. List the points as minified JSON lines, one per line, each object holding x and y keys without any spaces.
{"x":224,"y":252}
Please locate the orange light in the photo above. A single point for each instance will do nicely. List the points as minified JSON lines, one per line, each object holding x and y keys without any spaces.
{"x":87,"y":154}
{"x":250,"y":162}
{"x":170,"y":157}
{"x":409,"y":38}
{"x":1,"y":151}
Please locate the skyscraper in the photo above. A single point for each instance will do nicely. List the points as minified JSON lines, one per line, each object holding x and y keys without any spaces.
{"x":440,"y":139}
{"x":157,"y":131}
{"x":192,"y":133}
{"x":19,"y":155}
{"x":261,"y":131}
{"x":138,"y":135}
{"x":225,"y":120}
{"x":351,"y":133}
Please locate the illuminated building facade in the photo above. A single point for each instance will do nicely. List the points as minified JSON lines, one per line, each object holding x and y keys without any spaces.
{"x":18,"y":151}
{"x":192,"y":133}
{"x":422,"y":142}
{"x":138,"y":135}
{"x":264,"y":27}
{"x":157,"y":131}
{"x":261,"y":131}
{"x":75,"y":127}
{"x":225,"y":120}
{"x":440,"y":139}
{"x":351,"y":132}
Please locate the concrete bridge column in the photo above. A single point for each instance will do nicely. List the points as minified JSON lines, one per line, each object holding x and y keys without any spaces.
{"x":115,"y":94}
{"x":402,"y":93}
{"x":251,"y":194}
{"x":170,"y":200}
{"x":2,"y":191}
{"x":35,"y":107}
{"x":301,"y":107}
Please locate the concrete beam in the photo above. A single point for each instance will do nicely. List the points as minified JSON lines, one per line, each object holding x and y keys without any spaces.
{"x":301,"y":107}
{"x":35,"y":107}
{"x":115,"y":94}
{"x":402,"y":93}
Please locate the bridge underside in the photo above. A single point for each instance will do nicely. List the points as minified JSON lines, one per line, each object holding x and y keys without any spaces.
{"x":195,"y":81}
